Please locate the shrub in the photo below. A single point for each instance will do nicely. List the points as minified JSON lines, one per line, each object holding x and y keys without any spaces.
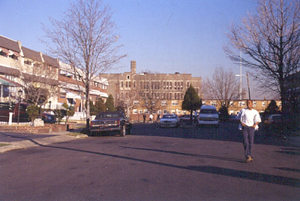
{"x":32,"y":112}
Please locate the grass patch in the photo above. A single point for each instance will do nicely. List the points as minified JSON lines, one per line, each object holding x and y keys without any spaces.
{"x":74,"y":134}
{"x":3,"y":144}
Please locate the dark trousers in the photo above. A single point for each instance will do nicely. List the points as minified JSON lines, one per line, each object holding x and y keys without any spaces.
{"x":248,"y":134}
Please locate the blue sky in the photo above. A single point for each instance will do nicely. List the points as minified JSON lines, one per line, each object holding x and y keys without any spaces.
{"x":161,"y":35}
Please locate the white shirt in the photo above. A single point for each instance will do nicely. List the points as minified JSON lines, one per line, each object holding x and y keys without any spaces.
{"x":249,"y":117}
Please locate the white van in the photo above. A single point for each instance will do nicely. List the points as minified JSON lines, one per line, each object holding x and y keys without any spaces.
{"x":208,"y":115}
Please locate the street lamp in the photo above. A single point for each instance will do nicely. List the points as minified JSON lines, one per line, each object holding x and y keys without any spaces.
{"x":20,"y":92}
{"x":248,"y":84}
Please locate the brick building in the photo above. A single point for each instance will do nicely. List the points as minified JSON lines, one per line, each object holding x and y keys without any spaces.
{"x":20,"y":65}
{"x":148,"y":92}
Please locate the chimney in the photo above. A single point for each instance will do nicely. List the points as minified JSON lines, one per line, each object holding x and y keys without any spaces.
{"x":133,"y":67}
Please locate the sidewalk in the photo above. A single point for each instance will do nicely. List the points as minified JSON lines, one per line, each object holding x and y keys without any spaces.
{"x":12,"y":141}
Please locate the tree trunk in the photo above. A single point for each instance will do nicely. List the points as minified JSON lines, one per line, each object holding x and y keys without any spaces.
{"x":87,"y":95}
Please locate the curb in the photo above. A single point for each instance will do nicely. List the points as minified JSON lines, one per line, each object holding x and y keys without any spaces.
{"x":24,"y":144}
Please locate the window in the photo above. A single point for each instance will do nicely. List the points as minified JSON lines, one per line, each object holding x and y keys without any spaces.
{"x":2,"y":53}
{"x":163,"y":103}
{"x":134,"y":111}
{"x":121,"y":84}
{"x":27,"y":62}
{"x":13,"y":56}
{"x":37,"y":65}
{"x":214,"y":103}
{"x":62,"y":95}
{"x":241,"y":103}
{"x":174,"y":103}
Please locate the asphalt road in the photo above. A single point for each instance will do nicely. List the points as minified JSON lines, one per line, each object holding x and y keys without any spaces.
{"x":153,"y":164}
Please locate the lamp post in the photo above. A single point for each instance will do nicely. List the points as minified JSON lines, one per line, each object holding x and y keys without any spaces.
{"x":248,"y":84}
{"x":20,"y":92}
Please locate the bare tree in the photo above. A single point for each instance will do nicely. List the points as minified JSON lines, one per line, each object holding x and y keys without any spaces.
{"x":85,"y":39}
{"x":270,"y":42}
{"x":148,"y":92}
{"x":222,"y":86}
{"x":40,"y":85}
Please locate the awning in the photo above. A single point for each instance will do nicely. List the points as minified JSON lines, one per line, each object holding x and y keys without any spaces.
{"x":72,"y":95}
{"x":9,"y":71}
{"x":6,"y":82}
{"x":98,"y":93}
{"x":34,"y":78}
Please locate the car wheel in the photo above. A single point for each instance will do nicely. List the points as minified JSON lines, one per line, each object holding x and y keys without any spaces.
{"x":128,"y":131}
{"x":90,"y":133}
{"x":123,"y":131}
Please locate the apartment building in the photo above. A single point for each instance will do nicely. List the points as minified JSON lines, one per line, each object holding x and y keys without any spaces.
{"x":149,"y":92}
{"x":72,"y":89}
{"x":21,"y":66}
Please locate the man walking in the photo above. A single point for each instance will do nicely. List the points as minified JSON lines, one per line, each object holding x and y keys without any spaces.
{"x":250,"y":119}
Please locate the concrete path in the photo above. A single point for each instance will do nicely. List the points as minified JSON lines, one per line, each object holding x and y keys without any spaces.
{"x":12,"y":141}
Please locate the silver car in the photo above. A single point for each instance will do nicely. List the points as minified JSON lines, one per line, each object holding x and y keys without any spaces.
{"x":169,"y":120}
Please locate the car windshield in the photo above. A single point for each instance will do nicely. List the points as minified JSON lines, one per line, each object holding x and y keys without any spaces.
{"x":169,"y":117}
{"x":276,"y":117}
{"x":108,"y":115}
{"x":185,"y":116}
{"x":208,"y":111}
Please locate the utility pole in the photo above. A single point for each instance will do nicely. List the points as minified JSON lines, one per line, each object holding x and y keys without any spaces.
{"x":248,"y":86}
{"x":241,"y":77}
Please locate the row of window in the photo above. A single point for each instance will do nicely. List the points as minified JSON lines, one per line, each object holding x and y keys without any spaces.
{"x":13,"y":56}
{"x":79,"y":78}
{"x":154,"y":85}
{"x":159,"y":112}
{"x":240,"y":103}
{"x":162,"y":96}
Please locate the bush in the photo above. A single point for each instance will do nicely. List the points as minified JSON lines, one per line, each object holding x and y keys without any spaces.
{"x":59,"y":114}
{"x":223,"y":111}
{"x":32,"y":112}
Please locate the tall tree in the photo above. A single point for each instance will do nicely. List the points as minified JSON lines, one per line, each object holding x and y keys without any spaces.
{"x":110,"y":105}
{"x":269,"y":42}
{"x":85,"y":39}
{"x":272,"y":107}
{"x":222,"y":86}
{"x":191,"y":101}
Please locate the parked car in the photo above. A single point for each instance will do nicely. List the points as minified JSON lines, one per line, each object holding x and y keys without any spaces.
{"x":169,"y":120}
{"x":186,"y":120}
{"x":208,"y":116}
{"x":110,"y":122}
{"x":276,"y":121}
{"x":18,"y":113}
{"x":233,"y":118}
{"x":185,"y":117}
{"x":48,"y":118}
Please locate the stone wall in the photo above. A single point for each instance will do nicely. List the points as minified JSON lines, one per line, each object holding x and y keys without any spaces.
{"x":47,"y":128}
